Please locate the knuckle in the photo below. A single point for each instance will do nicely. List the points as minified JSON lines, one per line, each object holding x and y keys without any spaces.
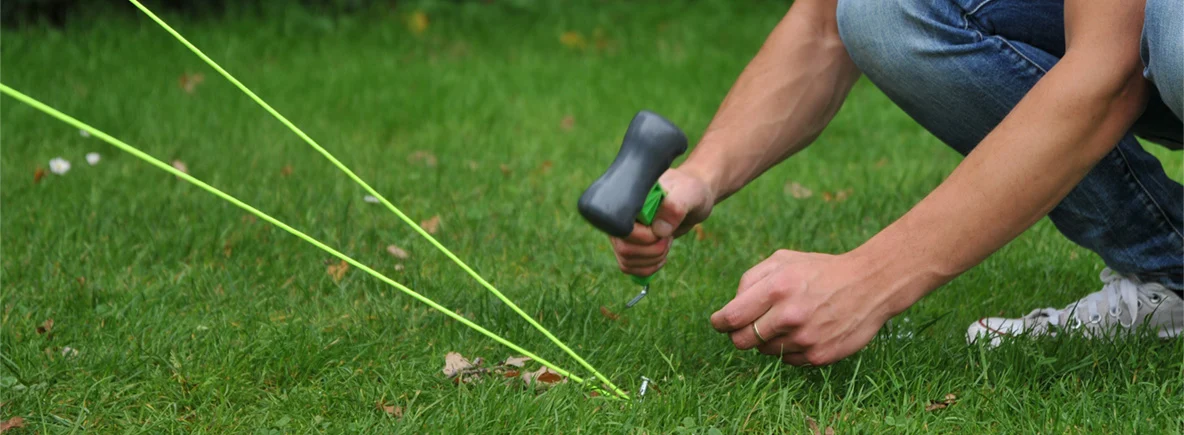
{"x":818,"y":357}
{"x":805,"y":339}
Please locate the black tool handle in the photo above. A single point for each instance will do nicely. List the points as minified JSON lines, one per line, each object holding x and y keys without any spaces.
{"x":651,"y":144}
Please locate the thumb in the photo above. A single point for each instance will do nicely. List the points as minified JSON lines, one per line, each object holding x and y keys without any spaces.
{"x":670,"y":215}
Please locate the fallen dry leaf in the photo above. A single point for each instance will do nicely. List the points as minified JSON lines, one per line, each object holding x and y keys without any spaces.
{"x":516,"y":361}
{"x":839,"y":196}
{"x":12,"y":423}
{"x":567,"y":123}
{"x":425,"y":157}
{"x":455,"y":364}
{"x":506,"y":170}
{"x":431,"y":225}
{"x":544,"y":376}
{"x":700,"y":232}
{"x":797,"y":190}
{"x":337,"y":270}
{"x":573,"y":40}
{"x":46,"y":327}
{"x":934,"y":405}
{"x":180,"y":166}
{"x":397,"y":252}
{"x":390,"y":410}
{"x":546,"y":166}
{"x":604,"y":311}
{"x":813,"y":425}
{"x":189,"y":82}
{"x":38,"y":174}
{"x":286,"y":170}
{"x":418,"y":22}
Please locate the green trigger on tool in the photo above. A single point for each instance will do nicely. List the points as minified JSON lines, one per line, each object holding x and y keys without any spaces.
{"x":649,"y":210}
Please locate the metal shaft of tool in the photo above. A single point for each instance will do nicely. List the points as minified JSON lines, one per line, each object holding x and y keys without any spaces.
{"x":637,"y":298}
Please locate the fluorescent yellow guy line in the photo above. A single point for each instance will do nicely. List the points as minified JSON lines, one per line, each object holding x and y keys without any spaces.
{"x":168,"y":168}
{"x":381,"y":199}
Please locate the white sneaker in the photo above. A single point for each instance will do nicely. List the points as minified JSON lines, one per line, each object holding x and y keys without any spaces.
{"x":1123,"y":304}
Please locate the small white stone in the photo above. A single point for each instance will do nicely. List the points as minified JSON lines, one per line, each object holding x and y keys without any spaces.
{"x":69,"y":351}
{"x":93,"y":158}
{"x":59,"y":166}
{"x":370,"y":199}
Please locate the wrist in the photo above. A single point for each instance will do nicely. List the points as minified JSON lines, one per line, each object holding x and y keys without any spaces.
{"x":901,"y":276}
{"x":708,"y":173}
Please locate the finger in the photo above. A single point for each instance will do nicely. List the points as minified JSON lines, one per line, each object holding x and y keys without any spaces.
{"x":644,"y":271}
{"x":628,"y":250}
{"x":671,"y":213}
{"x":636,"y":263}
{"x":756,"y":274}
{"x":770,"y":328}
{"x":641,"y":235}
{"x":746,"y":306}
{"x":779,"y":346}
{"x":796,"y":358}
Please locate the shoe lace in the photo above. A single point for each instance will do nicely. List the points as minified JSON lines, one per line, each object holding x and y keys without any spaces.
{"x":1117,"y":292}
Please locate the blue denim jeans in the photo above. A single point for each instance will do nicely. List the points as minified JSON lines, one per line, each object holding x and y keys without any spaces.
{"x":958,"y":67}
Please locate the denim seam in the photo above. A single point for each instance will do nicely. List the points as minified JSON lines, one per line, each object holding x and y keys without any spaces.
{"x":1158,"y":209}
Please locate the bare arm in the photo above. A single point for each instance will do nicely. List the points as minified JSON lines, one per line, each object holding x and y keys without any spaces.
{"x":781,"y":102}
{"x":1070,"y":120}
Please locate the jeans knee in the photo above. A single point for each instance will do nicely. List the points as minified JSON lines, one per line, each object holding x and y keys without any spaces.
{"x":888,"y":37}
{"x":1163,"y":50}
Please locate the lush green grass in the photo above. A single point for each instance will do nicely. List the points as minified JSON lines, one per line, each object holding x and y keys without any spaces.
{"x":188,"y":317}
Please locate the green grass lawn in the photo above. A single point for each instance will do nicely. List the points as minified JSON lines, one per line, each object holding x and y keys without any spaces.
{"x":187,"y":316}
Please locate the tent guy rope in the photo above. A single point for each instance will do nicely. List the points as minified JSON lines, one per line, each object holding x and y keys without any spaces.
{"x":381,"y":198}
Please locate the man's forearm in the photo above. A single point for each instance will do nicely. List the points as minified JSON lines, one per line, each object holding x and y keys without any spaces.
{"x":780,"y":103}
{"x":1018,"y":173}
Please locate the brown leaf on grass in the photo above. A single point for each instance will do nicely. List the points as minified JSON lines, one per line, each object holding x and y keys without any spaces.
{"x":506,"y":170}
{"x":839,"y":196}
{"x":286,"y":171}
{"x":427,"y":158}
{"x":188,"y":82}
{"x":882,"y":162}
{"x":573,"y":40}
{"x":546,"y":166}
{"x":567,"y":123}
{"x":46,"y":327}
{"x":700,"y":232}
{"x":814,"y":430}
{"x":38,"y":174}
{"x":516,"y":361}
{"x":418,"y":22}
{"x":798,"y":191}
{"x":431,"y":225}
{"x":397,"y":252}
{"x":12,"y":423}
{"x":544,"y":376}
{"x":934,"y":405}
{"x":390,"y":410}
{"x":455,"y":364}
{"x":604,"y":311}
{"x":337,"y":270}
{"x":180,"y":166}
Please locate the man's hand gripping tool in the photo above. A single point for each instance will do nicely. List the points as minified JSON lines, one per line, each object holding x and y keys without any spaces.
{"x":629,"y":191}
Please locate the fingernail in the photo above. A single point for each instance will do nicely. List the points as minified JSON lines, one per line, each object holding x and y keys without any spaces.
{"x":663,"y":228}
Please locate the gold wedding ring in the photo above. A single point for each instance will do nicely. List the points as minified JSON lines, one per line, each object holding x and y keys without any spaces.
{"x":758,"y":333}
